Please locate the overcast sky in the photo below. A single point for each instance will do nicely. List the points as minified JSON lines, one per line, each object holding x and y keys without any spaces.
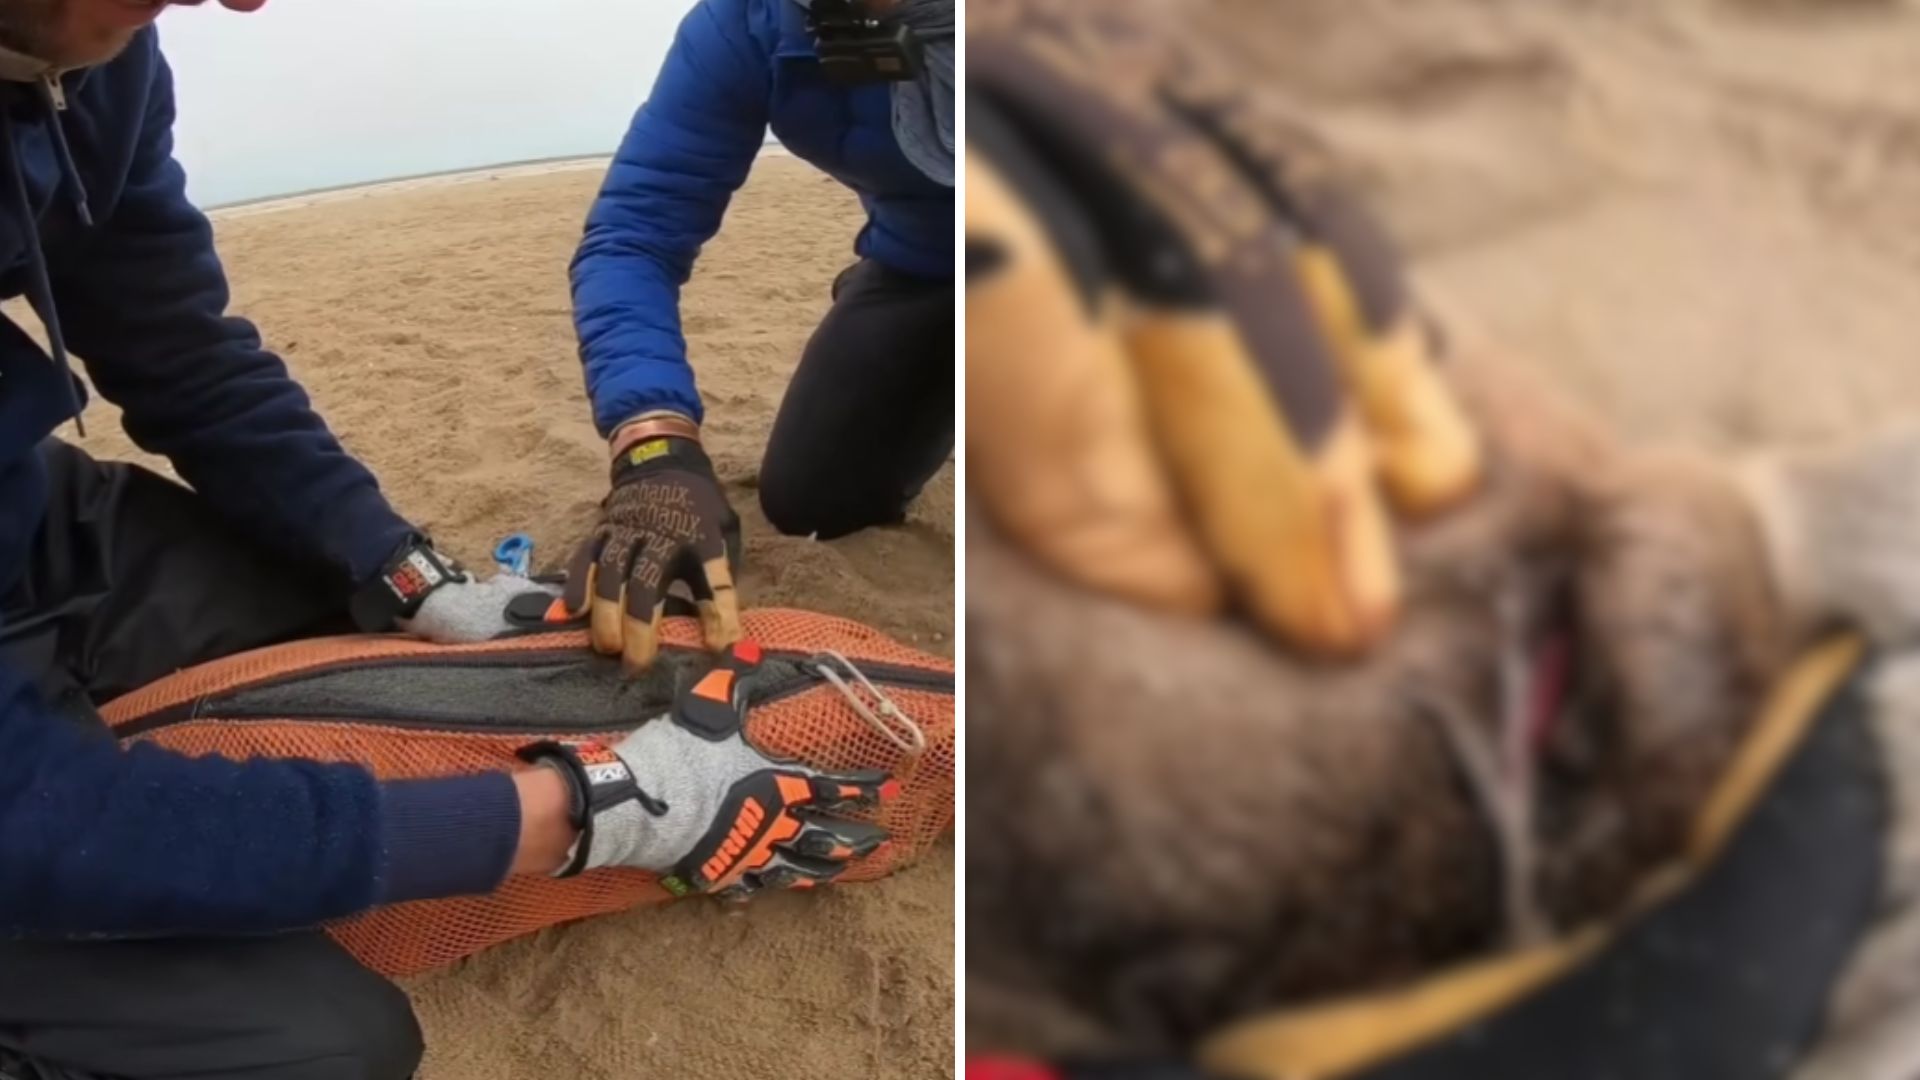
{"x":317,"y":93}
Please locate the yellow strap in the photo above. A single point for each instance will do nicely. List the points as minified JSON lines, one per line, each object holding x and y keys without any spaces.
{"x":1340,"y":1038}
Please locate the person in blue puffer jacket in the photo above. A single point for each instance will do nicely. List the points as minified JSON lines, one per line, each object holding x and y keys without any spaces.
{"x":863,"y":91}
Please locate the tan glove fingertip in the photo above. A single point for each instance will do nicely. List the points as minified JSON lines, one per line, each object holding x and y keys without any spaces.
{"x":1367,"y":563}
{"x":720,"y":614}
{"x":1428,"y":454}
{"x":604,"y":616}
{"x":1332,"y":586}
{"x":642,"y":640}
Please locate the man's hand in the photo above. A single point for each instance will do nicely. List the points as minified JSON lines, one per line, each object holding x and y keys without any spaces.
{"x":467,"y":610}
{"x":1191,"y":377}
{"x":423,"y":592}
{"x":687,"y":797}
{"x":665,"y":520}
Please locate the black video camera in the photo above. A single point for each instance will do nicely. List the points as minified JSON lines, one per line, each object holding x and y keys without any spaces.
{"x":855,"y":47}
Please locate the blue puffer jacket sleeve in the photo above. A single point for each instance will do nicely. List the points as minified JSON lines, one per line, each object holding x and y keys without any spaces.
{"x":143,"y":298}
{"x":687,"y":151}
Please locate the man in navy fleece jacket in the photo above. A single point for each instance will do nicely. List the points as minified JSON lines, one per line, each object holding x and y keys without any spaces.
{"x":111,"y":576}
{"x":155,"y":910}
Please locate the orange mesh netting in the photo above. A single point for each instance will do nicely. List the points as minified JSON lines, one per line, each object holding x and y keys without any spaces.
{"x":815,"y":725}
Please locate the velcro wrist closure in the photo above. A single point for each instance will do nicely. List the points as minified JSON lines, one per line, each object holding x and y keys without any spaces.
{"x":402,"y":585}
{"x":597,"y":781}
{"x":664,"y":452}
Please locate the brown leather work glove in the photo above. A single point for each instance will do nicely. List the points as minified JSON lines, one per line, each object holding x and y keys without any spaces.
{"x":1190,"y":378}
{"x":665,"y":520}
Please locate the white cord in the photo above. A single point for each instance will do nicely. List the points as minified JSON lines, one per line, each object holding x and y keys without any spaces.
{"x":894,"y":725}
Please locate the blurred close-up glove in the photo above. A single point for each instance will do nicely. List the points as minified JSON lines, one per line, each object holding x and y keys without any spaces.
{"x":1192,"y":381}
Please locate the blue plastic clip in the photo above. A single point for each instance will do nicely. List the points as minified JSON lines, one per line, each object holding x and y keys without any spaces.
{"x":514,"y":555}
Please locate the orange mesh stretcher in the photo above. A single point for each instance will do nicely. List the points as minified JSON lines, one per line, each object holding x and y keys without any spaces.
{"x":407,"y":709}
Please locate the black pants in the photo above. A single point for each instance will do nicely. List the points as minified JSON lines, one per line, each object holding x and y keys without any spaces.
{"x":131,"y":579}
{"x":868,"y":417}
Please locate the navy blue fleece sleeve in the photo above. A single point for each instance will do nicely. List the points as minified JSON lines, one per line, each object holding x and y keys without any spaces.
{"x":142,"y":297}
{"x":97,"y":840}
{"x":688,"y":150}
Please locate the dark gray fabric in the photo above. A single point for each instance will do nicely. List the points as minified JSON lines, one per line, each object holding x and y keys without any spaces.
{"x":280,"y":1008}
{"x":131,"y":578}
{"x":578,"y":692}
{"x":868,"y":417}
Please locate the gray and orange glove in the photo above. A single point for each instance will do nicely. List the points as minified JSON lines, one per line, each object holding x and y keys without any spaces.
{"x":688,"y":797}
{"x":424,"y":592}
{"x":665,"y":520}
{"x":1191,"y":379}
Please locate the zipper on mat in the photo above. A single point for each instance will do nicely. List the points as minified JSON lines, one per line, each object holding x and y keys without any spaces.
{"x":882,"y":674}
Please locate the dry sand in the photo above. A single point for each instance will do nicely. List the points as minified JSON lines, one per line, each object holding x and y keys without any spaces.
{"x":1701,"y":215}
{"x":432,"y":326}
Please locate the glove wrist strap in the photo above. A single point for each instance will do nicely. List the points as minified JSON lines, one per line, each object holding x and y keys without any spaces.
{"x":597,"y":781}
{"x":402,"y":585}
{"x":660,"y":452}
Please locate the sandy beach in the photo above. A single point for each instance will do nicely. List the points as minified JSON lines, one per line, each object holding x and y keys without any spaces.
{"x":1700,"y":215}
{"x":431,"y":324}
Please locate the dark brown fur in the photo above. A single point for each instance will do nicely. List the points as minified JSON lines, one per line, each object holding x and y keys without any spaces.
{"x":1171,"y":823}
